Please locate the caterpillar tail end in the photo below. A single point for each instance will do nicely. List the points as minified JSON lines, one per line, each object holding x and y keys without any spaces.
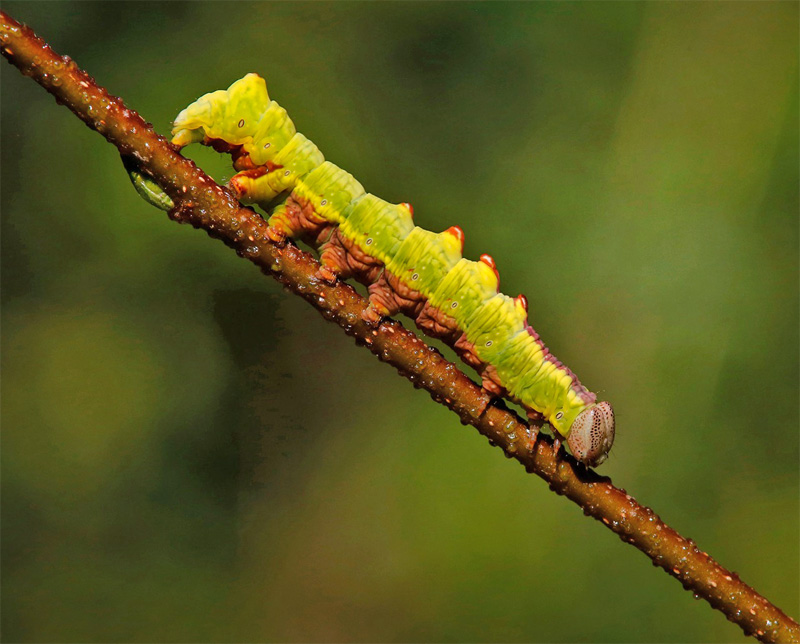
{"x":592,"y":434}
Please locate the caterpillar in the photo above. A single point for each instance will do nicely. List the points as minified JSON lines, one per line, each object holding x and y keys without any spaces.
{"x":407,"y":269}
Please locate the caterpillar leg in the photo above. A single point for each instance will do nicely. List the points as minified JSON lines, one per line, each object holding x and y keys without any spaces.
{"x":341,"y":257}
{"x":295,"y":218}
{"x":381,"y":301}
{"x":333,"y":258}
{"x":556,"y":443}
{"x":388,"y":295}
{"x":535,"y":422}
{"x":490,"y":381}
{"x":466,"y":351}
{"x":533,"y":436}
{"x":437,"y":324}
{"x":241,"y":159}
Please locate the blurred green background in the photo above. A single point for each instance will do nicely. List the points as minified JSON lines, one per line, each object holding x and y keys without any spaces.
{"x":190,"y":454}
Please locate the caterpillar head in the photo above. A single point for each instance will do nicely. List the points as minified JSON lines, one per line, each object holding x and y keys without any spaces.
{"x":592,"y":434}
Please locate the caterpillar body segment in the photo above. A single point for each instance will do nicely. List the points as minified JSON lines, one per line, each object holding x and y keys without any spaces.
{"x":376,"y":225}
{"x":407,"y":269}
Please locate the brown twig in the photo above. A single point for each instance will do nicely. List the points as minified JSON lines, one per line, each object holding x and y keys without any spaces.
{"x":204,"y":204}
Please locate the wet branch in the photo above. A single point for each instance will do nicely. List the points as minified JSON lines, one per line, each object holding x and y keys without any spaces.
{"x":204,"y":204}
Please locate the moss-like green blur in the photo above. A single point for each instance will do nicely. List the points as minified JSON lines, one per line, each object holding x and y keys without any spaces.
{"x":190,"y":454}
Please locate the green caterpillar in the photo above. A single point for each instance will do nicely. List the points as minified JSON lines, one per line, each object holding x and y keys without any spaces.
{"x":407,"y":269}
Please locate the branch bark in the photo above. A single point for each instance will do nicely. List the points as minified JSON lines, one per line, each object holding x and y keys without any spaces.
{"x":204,"y":204}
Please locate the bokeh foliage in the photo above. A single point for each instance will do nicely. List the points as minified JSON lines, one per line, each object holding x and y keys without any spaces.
{"x":190,"y":454}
